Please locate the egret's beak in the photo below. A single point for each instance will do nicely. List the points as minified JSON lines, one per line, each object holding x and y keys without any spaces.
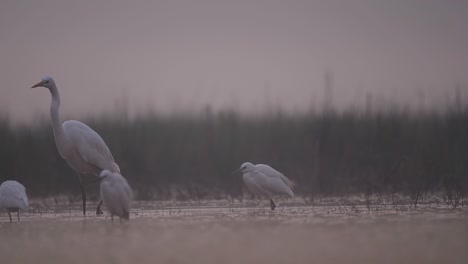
{"x":39,"y":84}
{"x":240,"y":169}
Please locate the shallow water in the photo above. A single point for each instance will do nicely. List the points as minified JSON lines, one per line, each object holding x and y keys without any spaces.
{"x":222,"y":232}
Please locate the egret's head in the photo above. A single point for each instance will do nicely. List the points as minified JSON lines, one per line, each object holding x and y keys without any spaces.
{"x":245,"y":167}
{"x":46,"y":82}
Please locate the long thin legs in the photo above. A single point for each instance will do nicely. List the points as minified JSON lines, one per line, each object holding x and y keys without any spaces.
{"x":10,"y":210}
{"x":83,"y":194}
{"x":98,"y":209}
{"x":272,"y":204}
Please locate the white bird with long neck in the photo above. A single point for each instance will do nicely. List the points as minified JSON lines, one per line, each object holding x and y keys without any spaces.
{"x":13,"y":197}
{"x":80,"y":146}
{"x":263,"y":180}
{"x":116,"y":194}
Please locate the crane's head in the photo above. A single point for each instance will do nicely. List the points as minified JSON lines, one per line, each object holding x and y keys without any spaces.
{"x":245,"y":167}
{"x":46,"y":82}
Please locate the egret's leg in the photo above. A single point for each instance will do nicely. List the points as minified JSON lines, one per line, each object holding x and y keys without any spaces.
{"x":98,"y":209}
{"x":17,"y":214}
{"x":272,"y":204}
{"x":112,"y":218}
{"x":83,"y":194}
{"x":9,"y":215}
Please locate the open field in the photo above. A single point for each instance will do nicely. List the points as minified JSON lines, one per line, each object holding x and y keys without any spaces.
{"x":228,"y":232}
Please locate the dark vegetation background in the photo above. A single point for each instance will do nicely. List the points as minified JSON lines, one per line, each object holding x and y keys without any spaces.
{"x":192,"y":157}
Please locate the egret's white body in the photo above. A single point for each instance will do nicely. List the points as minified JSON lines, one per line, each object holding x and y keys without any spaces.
{"x":263,"y":180}
{"x":80,"y":146}
{"x":116,"y":194}
{"x":13,"y":197}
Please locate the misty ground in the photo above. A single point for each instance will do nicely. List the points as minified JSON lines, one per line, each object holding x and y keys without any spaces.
{"x":298,"y":231}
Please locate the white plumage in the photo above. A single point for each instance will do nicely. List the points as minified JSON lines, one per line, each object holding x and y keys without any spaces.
{"x":87,"y":153}
{"x":13,"y":197}
{"x":116,"y":194}
{"x":79,"y":145}
{"x":83,"y":149}
{"x":263,"y":180}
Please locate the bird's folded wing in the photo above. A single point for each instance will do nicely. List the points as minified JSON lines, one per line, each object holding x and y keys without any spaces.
{"x":287,"y":181}
{"x":256,"y":185}
{"x":274,"y":185}
{"x":270,"y":172}
{"x":14,"y":196}
{"x":90,"y":147}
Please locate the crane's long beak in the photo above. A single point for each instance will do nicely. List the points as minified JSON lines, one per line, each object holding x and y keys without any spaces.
{"x":237,"y":171}
{"x":39,"y":84}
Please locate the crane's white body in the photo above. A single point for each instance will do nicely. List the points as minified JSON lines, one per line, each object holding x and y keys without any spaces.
{"x":116,"y":194}
{"x":263,"y":180}
{"x":13,"y":197}
{"x":83,"y":149}
{"x":80,"y":146}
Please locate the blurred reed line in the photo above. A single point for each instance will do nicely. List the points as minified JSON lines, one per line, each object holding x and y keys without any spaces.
{"x":192,"y":156}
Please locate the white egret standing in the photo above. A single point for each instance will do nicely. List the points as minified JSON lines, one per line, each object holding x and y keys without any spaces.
{"x":263,"y":180}
{"x":79,"y":145}
{"x":13,"y":197}
{"x":116,"y":194}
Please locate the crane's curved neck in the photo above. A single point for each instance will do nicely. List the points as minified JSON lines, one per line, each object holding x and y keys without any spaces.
{"x":54,"y":110}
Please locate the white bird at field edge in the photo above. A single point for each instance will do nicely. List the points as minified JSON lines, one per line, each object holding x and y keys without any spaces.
{"x":13,"y":197}
{"x":263,"y":180}
{"x":116,"y":194}
{"x":83,"y":149}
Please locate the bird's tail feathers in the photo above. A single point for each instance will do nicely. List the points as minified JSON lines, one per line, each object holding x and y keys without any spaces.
{"x":287,"y":181}
{"x":26,"y":203}
{"x":115,"y":168}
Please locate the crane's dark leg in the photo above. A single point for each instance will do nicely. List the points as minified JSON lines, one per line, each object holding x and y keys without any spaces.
{"x":9,"y":215}
{"x":272,"y":204}
{"x":17,"y":214}
{"x":83,"y":194}
{"x":98,"y":209}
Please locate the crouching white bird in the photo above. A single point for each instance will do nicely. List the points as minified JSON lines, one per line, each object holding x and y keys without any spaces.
{"x":80,"y":146}
{"x":263,"y":180}
{"x":116,"y":194}
{"x":13,"y":197}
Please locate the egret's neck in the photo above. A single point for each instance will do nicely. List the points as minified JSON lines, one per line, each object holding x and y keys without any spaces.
{"x":54,"y":110}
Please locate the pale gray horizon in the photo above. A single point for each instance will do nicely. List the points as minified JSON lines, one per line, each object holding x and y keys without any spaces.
{"x":247,"y":55}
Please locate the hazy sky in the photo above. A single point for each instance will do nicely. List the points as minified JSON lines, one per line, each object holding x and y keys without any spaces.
{"x":244,"y":54}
